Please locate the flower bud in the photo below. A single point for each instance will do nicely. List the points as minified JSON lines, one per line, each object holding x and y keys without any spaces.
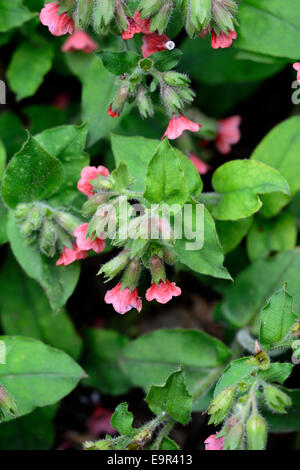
{"x":119,"y":101}
{"x":26,"y":229}
{"x":48,"y":237}
{"x":186,"y":94}
{"x":171,"y":99}
{"x":131,"y":275}
{"x":121,"y":14}
{"x":169,"y":256}
{"x":103,"y":14}
{"x":157,"y":269}
{"x":140,"y":440}
{"x":260,"y":358}
{"x":200,"y":13}
{"x":113,"y":267}
{"x":277,"y":399}
{"x":68,"y":221}
{"x":176,"y":79}
{"x":67,"y":6}
{"x":149,"y":7}
{"x":64,"y":239}
{"x":84,"y":12}
{"x":22,"y":211}
{"x":234,"y":437}
{"x":8,"y":405}
{"x":91,"y":205}
{"x":161,"y":18}
{"x":221,"y":405}
{"x":35,"y":218}
{"x":222,"y":16}
{"x":144,"y":103}
{"x":256,"y":429}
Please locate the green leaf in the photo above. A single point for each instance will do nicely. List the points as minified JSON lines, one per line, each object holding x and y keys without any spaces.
{"x":58,"y":282}
{"x":67,"y":144}
{"x":166,"y":60}
{"x":13,"y":14}
{"x":171,"y":187}
{"x":192,"y":176}
{"x":121,"y":178}
{"x":152,"y":357}
{"x":29,"y":64}
{"x":100,"y":360}
{"x":277,"y":318}
{"x":231,"y":232}
{"x":32,"y":175}
{"x":252,"y":288}
{"x":119,"y":62}
{"x":280,"y":149}
{"x":122,"y":420}
{"x":99,"y":88}
{"x":278,"y":372}
{"x":35,"y":374}
{"x":201,"y":61}
{"x":171,"y":398}
{"x":208,"y":259}
{"x":35,"y":431}
{"x":271,"y":235}
{"x":262,"y":18}
{"x":237,"y":371}
{"x":238,"y":184}
{"x":29,"y":312}
{"x":168,"y":444}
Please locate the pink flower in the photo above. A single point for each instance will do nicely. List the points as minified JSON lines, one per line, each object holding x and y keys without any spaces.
{"x":88,"y":174}
{"x":200,"y":165}
{"x":214,"y":443}
{"x":136,"y":25}
{"x":112,"y":113}
{"x":163,"y":292}
{"x":296,"y":66}
{"x":179,"y":124}
{"x":99,"y":422}
{"x":228,"y":134}
{"x":156,"y":42}
{"x":85,"y":244}
{"x":58,"y":24}
{"x":223,"y":40}
{"x":80,"y":41}
{"x":123,"y":300}
{"x":70,"y":255}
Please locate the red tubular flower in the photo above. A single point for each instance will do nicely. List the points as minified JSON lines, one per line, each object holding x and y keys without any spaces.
{"x":296,"y":66}
{"x":163,"y":292}
{"x":228,"y":134}
{"x":58,"y":24}
{"x":136,"y":25}
{"x":99,"y":422}
{"x":70,"y":255}
{"x":80,"y":41}
{"x":214,"y":443}
{"x":112,"y":113}
{"x":179,"y":124}
{"x":156,"y":42}
{"x":223,"y":40}
{"x":89,"y":173}
{"x":85,"y":244}
{"x":200,"y":165}
{"x":123,"y":300}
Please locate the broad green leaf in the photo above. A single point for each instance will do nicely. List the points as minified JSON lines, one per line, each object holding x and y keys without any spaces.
{"x":219,"y":66}
{"x":280,"y":149}
{"x":269,"y":20}
{"x":207,"y":259}
{"x":289,"y":422}
{"x":171,"y":398}
{"x":67,"y":144}
{"x":231,"y":232}
{"x":166,"y":60}
{"x":165,"y":181}
{"x":118,"y":63}
{"x":278,"y":372}
{"x":100,"y":360}
{"x":168,"y":444}
{"x":238,"y":184}
{"x":192,"y":176}
{"x":252,"y":288}
{"x":99,"y":88}
{"x":277,"y":318}
{"x":32,"y":174}
{"x":29,"y":312}
{"x":151,"y":358}
{"x":35,"y":431}
{"x":122,"y":420}
{"x":13,"y":14}
{"x":271,"y":235}
{"x":29,"y":64}
{"x":58,"y":282}
{"x":35,"y":374}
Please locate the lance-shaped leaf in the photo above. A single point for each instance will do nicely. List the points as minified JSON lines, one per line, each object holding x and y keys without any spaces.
{"x":277,"y":318}
{"x":171,"y":398}
{"x":238,"y":184}
{"x":165,"y":181}
{"x":151,"y":358}
{"x":32,"y":175}
{"x":35,"y":374}
{"x":119,"y":62}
